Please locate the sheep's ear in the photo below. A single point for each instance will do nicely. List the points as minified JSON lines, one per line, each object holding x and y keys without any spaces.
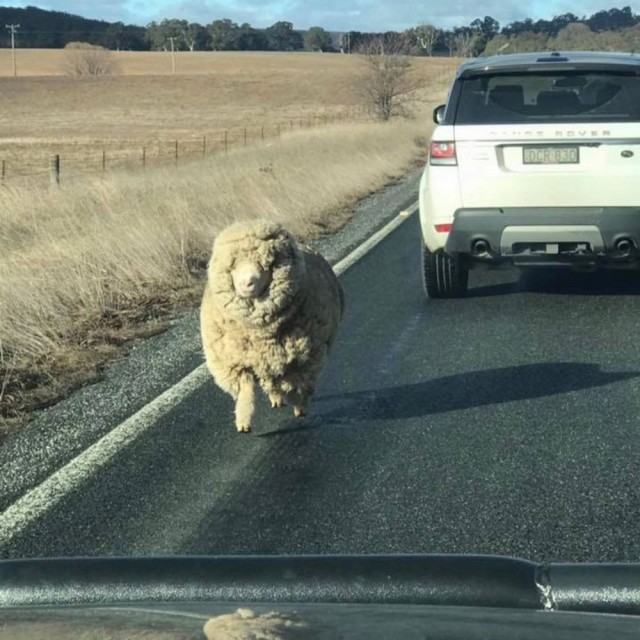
{"x":286,"y":245}
{"x":286,"y":237}
{"x":276,"y":232}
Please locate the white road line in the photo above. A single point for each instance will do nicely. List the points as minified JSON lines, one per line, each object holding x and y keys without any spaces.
{"x":47,"y":494}
{"x":374,"y":240}
{"x":15,"y":519}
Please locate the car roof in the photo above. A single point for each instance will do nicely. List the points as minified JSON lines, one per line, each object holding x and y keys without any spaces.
{"x":549,"y":60}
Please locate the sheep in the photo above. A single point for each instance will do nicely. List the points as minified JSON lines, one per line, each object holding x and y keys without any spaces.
{"x":245,"y":624}
{"x":269,"y":315}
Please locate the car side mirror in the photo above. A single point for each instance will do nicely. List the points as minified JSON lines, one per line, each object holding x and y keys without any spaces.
{"x":438,"y":114}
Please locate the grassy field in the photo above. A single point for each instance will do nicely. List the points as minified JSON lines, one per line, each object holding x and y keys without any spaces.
{"x":116,"y":121}
{"x":107,"y":257}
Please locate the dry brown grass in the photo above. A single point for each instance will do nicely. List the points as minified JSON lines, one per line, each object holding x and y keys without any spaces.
{"x":100,"y":260}
{"x":51,"y":62}
{"x":146,"y":106}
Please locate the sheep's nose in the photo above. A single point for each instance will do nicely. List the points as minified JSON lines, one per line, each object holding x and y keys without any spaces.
{"x":250,"y":283}
{"x":247,"y":284}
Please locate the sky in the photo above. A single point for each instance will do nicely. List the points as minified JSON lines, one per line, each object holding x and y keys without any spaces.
{"x":333,"y":15}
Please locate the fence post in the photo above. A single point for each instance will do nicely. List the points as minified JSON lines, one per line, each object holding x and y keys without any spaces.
{"x":226,"y":142}
{"x":262,"y":133}
{"x":54,"y":172}
{"x":204,"y":146}
{"x":176,"y":152}
{"x":278,"y":130}
{"x":3,"y":172}
{"x":245,"y":136}
{"x":144,"y":157}
{"x":104,"y":160}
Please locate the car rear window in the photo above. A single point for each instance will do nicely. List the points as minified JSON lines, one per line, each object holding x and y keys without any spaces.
{"x":549,"y":97}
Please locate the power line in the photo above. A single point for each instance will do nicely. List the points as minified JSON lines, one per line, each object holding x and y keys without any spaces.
{"x":13,"y":28}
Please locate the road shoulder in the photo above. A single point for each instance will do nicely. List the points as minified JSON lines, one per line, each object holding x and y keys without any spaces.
{"x":151,"y":367}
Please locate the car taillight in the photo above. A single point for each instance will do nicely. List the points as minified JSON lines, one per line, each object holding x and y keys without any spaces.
{"x":443,"y":228}
{"x":443,"y":153}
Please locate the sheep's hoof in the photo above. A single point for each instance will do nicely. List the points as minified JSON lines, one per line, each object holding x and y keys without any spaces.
{"x":276,"y":401}
{"x":243,"y":428}
{"x":299,"y":412}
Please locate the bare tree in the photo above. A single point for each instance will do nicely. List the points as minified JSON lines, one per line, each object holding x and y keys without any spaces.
{"x":84,"y":59}
{"x":193,"y":34}
{"x":499,"y":44}
{"x":576,"y":36}
{"x":427,"y":36}
{"x":463,"y":43}
{"x":387,"y":86}
{"x":450,"y":42}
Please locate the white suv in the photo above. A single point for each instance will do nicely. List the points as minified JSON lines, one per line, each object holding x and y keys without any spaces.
{"x":535,"y":160}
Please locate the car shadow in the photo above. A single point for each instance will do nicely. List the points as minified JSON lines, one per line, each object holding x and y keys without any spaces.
{"x":463,"y":391}
{"x":597,"y":283}
{"x":565,"y":282}
{"x":488,"y":291}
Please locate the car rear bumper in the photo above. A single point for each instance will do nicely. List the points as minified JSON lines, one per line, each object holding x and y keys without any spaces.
{"x":560,"y":236}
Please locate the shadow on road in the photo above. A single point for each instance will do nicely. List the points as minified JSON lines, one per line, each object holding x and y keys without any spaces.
{"x":292,"y":426}
{"x":463,"y":391}
{"x":490,"y":290}
{"x":566,"y":282}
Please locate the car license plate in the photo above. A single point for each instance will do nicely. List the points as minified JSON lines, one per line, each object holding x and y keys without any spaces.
{"x":555,"y":154}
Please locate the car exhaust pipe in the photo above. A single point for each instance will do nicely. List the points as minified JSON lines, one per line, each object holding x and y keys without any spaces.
{"x":624,"y":246}
{"x":480,"y":248}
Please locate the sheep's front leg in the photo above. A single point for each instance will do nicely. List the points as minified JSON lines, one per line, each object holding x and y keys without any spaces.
{"x":270,"y":387}
{"x":245,"y":402}
{"x":276,"y":399}
{"x":297,"y":392}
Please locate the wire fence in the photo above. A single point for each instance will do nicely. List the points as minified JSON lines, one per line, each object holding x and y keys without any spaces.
{"x":58,"y":161}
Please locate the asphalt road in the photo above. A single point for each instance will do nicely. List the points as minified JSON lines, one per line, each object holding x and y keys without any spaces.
{"x":503,"y":423}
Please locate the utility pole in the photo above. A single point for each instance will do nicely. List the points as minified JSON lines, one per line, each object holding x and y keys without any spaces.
{"x":13,"y":28}
{"x":173,"y":56}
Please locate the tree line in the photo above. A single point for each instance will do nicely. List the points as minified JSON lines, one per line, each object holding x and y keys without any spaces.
{"x":617,"y":29}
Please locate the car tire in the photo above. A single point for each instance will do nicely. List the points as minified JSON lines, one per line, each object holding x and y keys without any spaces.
{"x":443,"y":276}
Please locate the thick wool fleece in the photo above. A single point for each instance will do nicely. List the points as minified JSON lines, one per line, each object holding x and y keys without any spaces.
{"x":279,"y":339}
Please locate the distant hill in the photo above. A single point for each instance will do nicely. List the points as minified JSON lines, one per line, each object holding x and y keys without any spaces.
{"x":54,"y":29}
{"x":612,"y":29}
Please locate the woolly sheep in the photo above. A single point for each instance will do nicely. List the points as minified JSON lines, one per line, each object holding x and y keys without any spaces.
{"x":269,"y":315}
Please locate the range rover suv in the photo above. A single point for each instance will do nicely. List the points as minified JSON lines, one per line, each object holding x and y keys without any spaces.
{"x":535,"y":160}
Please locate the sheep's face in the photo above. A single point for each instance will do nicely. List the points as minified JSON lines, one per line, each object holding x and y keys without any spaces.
{"x":250,"y":279}
{"x":255,"y":272}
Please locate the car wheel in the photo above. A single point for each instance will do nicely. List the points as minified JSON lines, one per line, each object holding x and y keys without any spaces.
{"x":443,"y":276}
